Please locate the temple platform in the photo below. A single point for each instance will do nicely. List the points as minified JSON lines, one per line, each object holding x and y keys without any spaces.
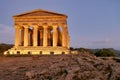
{"x":38,"y":50}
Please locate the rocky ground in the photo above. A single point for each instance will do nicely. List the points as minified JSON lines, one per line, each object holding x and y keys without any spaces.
{"x":60,"y":67}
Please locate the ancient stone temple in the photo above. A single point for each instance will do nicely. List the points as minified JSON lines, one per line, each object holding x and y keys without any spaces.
{"x":40,"y":32}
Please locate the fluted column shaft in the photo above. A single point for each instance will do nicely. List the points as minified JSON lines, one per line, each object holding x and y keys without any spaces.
{"x":17,"y":36}
{"x":31,"y":38}
{"x":67,"y":37}
{"x":35,"y":36}
{"x":22,"y":37}
{"x":26,"y":36}
{"x":45,"y":36}
{"x":59,"y":37}
{"x":63,"y":37}
{"x":41,"y":37}
{"x":55,"y":36}
{"x":49,"y":38}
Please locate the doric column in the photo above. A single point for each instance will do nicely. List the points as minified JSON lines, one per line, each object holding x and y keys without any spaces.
{"x":49,"y":38}
{"x":17,"y":36}
{"x":63,"y":37}
{"x":22,"y":37}
{"x":26,"y":35}
{"x":59,"y":37}
{"x":45,"y":36}
{"x":67,"y":36}
{"x":31,"y":38}
{"x":41,"y":37}
{"x":68,"y":41}
{"x":55,"y":36}
{"x":35,"y":36}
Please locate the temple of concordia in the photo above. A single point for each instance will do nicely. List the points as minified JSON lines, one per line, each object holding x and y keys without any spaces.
{"x":40,"y":32}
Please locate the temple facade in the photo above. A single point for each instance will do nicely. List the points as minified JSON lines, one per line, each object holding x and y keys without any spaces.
{"x":40,"y":32}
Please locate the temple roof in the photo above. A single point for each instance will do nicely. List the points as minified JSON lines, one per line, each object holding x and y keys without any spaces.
{"x":39,"y":12}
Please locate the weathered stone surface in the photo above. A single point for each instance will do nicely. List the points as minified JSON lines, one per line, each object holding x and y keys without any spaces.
{"x":61,"y":67}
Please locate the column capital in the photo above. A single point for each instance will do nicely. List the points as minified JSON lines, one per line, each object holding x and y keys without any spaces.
{"x":45,"y":27}
{"x":55,"y":27}
{"x":18,"y":27}
{"x":64,"y":26}
{"x":41,"y":30}
{"x":35,"y":26}
{"x":26,"y":26}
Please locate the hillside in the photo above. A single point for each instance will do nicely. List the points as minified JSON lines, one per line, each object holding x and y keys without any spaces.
{"x":4,"y":47}
{"x":83,"y":66}
{"x":117,"y":52}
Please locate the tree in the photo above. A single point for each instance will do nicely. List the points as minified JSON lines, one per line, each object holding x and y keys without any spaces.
{"x":71,"y":48}
{"x":84,"y":50}
{"x":105,"y":53}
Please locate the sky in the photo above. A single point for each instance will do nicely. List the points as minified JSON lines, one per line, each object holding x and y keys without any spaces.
{"x":91,"y":23}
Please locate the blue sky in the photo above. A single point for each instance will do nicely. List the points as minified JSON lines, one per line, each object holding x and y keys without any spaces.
{"x":91,"y":23}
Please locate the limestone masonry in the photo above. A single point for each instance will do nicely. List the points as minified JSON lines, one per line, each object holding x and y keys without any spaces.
{"x":40,"y":32}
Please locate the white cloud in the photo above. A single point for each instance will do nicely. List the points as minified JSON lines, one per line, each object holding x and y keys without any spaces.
{"x":102,"y":41}
{"x":6,"y":34}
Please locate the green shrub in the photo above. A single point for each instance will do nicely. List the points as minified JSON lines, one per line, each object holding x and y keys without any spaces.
{"x":105,"y":53}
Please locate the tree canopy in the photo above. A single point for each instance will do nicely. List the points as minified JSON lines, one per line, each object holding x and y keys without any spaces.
{"x":105,"y":53}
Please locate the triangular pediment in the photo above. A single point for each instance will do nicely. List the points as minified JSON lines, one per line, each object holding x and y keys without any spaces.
{"x":39,"y":12}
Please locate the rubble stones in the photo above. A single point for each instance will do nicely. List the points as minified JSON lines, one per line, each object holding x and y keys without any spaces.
{"x":84,"y":66}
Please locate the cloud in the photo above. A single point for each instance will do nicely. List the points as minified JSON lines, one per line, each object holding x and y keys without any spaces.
{"x":105,"y":41}
{"x":6,"y":34}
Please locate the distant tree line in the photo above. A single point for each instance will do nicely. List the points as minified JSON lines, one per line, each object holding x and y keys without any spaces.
{"x":105,"y":52}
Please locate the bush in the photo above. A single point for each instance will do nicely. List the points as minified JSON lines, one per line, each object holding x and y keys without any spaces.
{"x":105,"y":53}
{"x":84,"y":50}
